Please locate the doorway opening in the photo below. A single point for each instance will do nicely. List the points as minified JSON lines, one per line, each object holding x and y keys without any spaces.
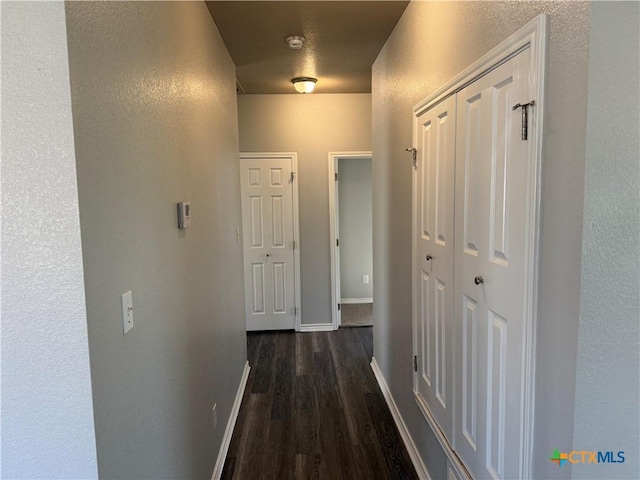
{"x":350,"y":210}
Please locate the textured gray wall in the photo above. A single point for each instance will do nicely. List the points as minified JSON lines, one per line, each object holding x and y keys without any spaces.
{"x":356,"y":248}
{"x":311,"y":125}
{"x":607,"y":377}
{"x":155,"y":119}
{"x":433,"y":42}
{"x":47,"y":415}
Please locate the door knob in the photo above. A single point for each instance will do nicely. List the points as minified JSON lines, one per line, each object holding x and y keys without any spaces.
{"x":429,"y":257}
{"x":478,"y":280}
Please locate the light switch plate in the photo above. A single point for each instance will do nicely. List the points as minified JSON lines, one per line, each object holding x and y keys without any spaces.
{"x":127,"y":311}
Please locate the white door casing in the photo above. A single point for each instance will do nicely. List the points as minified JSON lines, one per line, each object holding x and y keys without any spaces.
{"x":334,"y":229}
{"x":334,"y":245}
{"x":433,"y":257}
{"x":270,"y":231}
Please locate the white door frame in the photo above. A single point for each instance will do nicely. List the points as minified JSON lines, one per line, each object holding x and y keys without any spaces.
{"x":334,"y":229}
{"x":293,"y":156}
{"x":533,"y":35}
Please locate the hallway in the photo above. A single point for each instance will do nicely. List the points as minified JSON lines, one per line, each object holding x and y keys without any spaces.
{"x":312,"y":409}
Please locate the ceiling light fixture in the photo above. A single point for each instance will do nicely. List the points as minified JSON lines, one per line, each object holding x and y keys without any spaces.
{"x":304,"y":84}
{"x":295,"y":41}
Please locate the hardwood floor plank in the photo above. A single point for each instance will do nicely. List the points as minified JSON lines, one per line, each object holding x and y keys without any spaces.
{"x":304,"y":354}
{"x":309,"y":466}
{"x":395,"y":455}
{"x":283,"y":394}
{"x":367,"y":470}
{"x":283,"y":437}
{"x":366,"y":340}
{"x":227,"y":471}
{"x":342,"y":360}
{"x":253,"y":468}
{"x":330,"y":450}
{"x":351,"y":387}
{"x":326,"y":382}
{"x":255,"y":437}
{"x":264,"y":365}
{"x":319,"y":341}
{"x":253,"y":346}
{"x":280,"y":455}
{"x":286,"y":345}
{"x":375,"y":460}
{"x":361,"y":427}
{"x":282,"y":466}
{"x":307,"y":416}
{"x":337,"y":445}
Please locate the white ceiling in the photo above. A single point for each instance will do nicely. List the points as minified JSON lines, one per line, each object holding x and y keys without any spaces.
{"x":343,"y":40}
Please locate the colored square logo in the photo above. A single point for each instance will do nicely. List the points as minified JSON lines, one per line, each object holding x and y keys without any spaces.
{"x":559,"y":458}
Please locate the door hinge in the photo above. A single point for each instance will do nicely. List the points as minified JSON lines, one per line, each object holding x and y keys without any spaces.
{"x":338,"y":307}
{"x":414,"y":156}
{"x":294,"y":244}
{"x":525,"y":116}
{"x":293,"y":176}
{"x":337,"y":242}
{"x":295,"y":311}
{"x":415,"y":363}
{"x":336,"y":177}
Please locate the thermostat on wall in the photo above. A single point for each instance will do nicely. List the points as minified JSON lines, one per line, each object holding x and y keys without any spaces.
{"x":184,"y":215}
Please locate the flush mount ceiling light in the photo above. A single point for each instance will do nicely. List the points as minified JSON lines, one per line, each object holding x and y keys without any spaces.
{"x":304,"y":84}
{"x":295,"y":41}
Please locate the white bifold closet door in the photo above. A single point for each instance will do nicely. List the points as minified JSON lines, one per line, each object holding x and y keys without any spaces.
{"x":492,"y":222}
{"x":433,"y":207}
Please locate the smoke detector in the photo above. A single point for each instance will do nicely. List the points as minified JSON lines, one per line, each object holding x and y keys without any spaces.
{"x":295,"y":42}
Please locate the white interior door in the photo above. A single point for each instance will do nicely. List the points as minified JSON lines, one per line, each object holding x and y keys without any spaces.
{"x":268,"y":242}
{"x":433,"y":223}
{"x":493,"y":182}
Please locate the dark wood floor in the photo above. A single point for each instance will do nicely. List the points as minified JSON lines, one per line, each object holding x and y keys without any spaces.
{"x":312,"y":409}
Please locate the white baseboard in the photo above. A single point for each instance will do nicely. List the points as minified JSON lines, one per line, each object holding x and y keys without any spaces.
{"x":316,"y":327}
{"x":231,"y":423}
{"x":348,"y":301}
{"x":418,"y":464}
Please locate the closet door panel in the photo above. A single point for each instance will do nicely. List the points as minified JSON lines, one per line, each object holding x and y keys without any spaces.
{"x":492,"y":182}
{"x":470,"y":333}
{"x":433,"y":210}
